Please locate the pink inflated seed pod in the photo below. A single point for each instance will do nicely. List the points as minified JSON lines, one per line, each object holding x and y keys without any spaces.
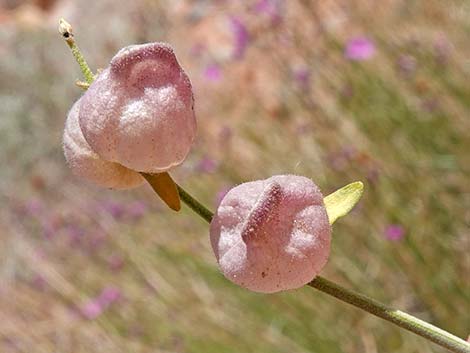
{"x":272,"y":235}
{"x":85,"y":163}
{"x":139,"y":111}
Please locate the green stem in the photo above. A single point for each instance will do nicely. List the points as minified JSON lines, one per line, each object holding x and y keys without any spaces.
{"x":89,"y":77}
{"x":397,"y":317}
{"x":65,"y":29}
{"x":195,"y":205}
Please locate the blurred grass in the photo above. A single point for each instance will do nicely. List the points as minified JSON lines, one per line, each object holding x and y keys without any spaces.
{"x":404,"y":134}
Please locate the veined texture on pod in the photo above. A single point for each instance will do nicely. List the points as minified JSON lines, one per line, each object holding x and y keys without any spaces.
{"x":137,"y":116}
{"x":85,"y":163}
{"x":272,"y":235}
{"x":139,"y":111}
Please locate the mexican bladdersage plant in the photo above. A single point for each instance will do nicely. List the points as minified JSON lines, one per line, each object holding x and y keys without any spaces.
{"x":136,"y":122}
{"x":136,"y":117}
{"x":272,"y":235}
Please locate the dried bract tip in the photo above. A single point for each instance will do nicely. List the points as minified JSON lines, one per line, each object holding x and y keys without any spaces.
{"x":65,"y":28}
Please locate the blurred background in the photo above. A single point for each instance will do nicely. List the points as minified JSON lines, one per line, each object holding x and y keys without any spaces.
{"x":334,"y":90}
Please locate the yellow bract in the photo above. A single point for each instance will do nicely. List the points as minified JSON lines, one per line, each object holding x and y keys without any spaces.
{"x":340,"y":202}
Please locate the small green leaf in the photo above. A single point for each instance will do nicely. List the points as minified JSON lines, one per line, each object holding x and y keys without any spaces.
{"x":340,"y":202}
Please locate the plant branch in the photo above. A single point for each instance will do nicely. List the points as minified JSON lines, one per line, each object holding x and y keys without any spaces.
{"x":65,"y":29}
{"x":195,"y":205}
{"x":397,"y":317}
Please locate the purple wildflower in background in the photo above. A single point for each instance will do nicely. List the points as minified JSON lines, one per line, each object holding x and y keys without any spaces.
{"x":373,"y":175}
{"x":91,"y":310}
{"x":349,"y":152}
{"x":336,"y":161}
{"x":225,"y":134}
{"x":212,"y":73}
{"x":11,"y":343}
{"x":347,"y":91}
{"x":301,"y":76}
{"x":75,"y":233}
{"x":430,"y":104}
{"x":206,"y":165}
{"x":51,"y":225}
{"x":115,"y":209}
{"x":340,"y":160}
{"x":359,"y":49}
{"x":442,"y":49}
{"x":136,"y":210}
{"x":96,"y":306}
{"x":115,"y":263}
{"x":96,"y":240}
{"x":197,"y":49}
{"x":39,"y":283}
{"x":303,"y":127}
{"x":271,"y":8}
{"x":109,"y":295}
{"x":33,"y":207}
{"x":241,"y":37}
{"x":394,"y":232}
{"x":264,"y":6}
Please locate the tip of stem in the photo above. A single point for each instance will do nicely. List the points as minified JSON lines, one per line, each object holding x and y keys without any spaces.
{"x":65,"y":29}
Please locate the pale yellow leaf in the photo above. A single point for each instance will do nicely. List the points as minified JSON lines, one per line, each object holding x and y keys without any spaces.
{"x":340,"y":202}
